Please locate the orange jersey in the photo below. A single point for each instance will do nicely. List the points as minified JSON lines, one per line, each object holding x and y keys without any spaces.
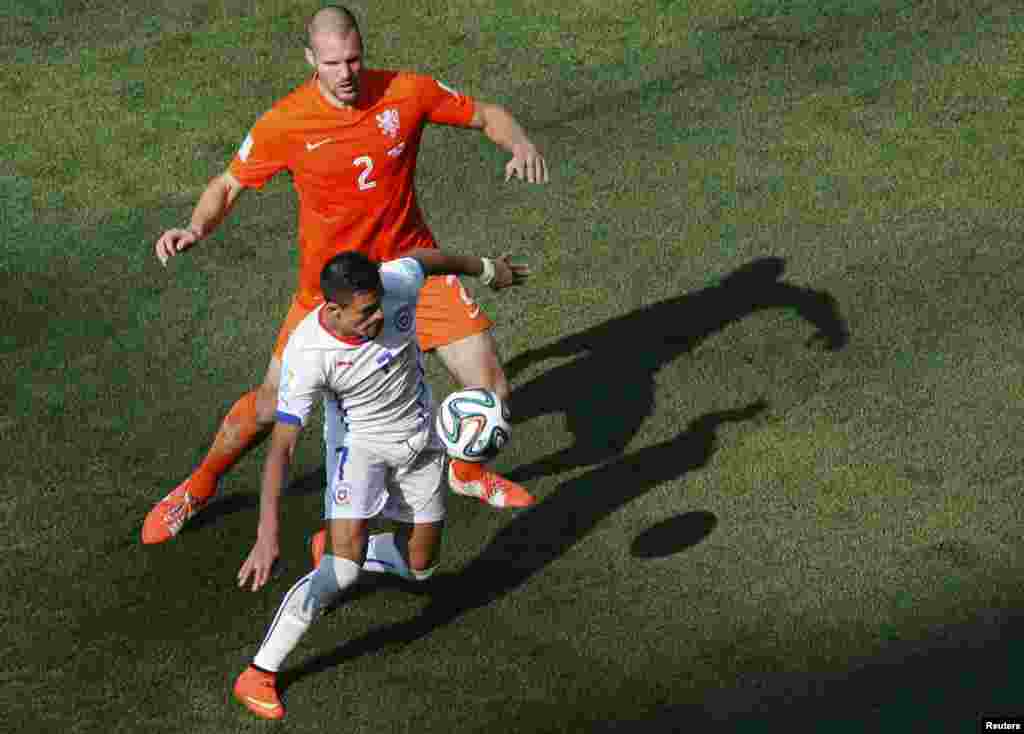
{"x":353,"y":168}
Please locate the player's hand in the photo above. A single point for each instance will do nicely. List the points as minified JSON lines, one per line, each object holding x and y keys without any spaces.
{"x":508,"y":273}
{"x":527,"y":163}
{"x":174,"y":241}
{"x":259,"y":564}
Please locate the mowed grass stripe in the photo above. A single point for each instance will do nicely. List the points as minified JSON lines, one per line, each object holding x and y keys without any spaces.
{"x":702,"y":619}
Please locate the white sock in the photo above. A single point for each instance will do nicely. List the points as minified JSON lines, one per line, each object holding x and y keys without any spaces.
{"x":303,"y":603}
{"x":383,"y":556}
{"x":287,"y":628}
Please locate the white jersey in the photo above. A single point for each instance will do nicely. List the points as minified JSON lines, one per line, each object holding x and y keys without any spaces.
{"x":372,"y":389}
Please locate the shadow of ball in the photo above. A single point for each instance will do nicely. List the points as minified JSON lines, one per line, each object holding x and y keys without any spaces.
{"x":673,"y":535}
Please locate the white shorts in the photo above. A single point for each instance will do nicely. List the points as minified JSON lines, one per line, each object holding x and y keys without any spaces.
{"x":401,"y":480}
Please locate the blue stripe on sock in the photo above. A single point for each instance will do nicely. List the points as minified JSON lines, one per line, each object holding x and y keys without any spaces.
{"x":284,"y":604}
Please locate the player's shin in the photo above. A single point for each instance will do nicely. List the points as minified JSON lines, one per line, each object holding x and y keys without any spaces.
{"x":240,"y":431}
{"x":303,"y":603}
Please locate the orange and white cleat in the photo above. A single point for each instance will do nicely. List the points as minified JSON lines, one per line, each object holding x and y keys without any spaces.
{"x":490,"y":488}
{"x":168,"y":515}
{"x":257,"y":691}
{"x":317,"y":544}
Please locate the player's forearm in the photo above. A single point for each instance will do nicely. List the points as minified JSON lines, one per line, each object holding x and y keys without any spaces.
{"x":275,"y":474}
{"x":435,"y":262}
{"x":502,"y":129}
{"x":213,"y":205}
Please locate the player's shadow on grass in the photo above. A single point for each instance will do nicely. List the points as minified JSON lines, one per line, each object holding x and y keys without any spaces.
{"x":608,"y":391}
{"x":673,"y":535}
{"x":542,"y":534}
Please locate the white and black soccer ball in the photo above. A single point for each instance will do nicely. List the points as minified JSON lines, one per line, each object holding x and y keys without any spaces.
{"x":473,"y":424}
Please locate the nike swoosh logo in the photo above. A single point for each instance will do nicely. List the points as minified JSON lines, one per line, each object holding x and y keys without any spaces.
{"x":263,"y":704}
{"x":314,"y":146}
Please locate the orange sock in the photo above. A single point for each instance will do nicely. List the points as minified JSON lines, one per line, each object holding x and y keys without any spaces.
{"x":467,"y":471}
{"x":239,"y":432}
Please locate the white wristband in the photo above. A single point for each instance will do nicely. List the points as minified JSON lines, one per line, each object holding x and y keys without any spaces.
{"x":487,"y":276}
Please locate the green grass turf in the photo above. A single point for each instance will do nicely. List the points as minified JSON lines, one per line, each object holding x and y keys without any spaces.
{"x":740,"y":528}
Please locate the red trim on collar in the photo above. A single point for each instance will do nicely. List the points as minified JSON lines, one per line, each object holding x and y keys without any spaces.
{"x":352,"y":341}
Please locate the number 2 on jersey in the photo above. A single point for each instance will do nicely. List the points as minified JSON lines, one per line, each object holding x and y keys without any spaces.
{"x":364,"y":177}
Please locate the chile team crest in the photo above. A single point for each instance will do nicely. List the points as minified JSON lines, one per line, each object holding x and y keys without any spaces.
{"x":403,"y":318}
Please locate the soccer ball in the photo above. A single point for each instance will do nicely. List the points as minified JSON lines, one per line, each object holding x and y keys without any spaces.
{"x":473,"y":425}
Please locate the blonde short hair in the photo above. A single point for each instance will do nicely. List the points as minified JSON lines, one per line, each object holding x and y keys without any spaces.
{"x":332,"y":19}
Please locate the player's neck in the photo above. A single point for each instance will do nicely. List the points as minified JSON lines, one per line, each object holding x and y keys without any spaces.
{"x":334,"y":328}
{"x":333,"y":101}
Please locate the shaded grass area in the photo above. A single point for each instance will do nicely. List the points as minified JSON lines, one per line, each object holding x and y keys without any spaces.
{"x":738,"y":185}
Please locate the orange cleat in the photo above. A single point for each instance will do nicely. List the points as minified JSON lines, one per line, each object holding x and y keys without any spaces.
{"x":317,"y":544}
{"x":257,"y":691}
{"x":168,"y":516}
{"x":490,"y":488}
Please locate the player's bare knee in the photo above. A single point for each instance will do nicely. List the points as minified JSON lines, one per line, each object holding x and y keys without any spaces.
{"x":492,"y":373}
{"x":499,"y":383}
{"x":491,"y":376}
{"x":474,"y":362}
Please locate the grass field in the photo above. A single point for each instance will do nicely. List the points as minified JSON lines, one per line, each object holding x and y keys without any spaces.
{"x":768,"y":375}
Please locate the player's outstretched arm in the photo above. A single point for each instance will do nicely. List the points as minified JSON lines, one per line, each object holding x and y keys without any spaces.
{"x":213,"y":205}
{"x":501,"y":127}
{"x":264,"y":553}
{"x":498,"y":273}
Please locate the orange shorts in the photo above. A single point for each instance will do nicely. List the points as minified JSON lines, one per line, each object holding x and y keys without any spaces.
{"x":445,"y":314}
